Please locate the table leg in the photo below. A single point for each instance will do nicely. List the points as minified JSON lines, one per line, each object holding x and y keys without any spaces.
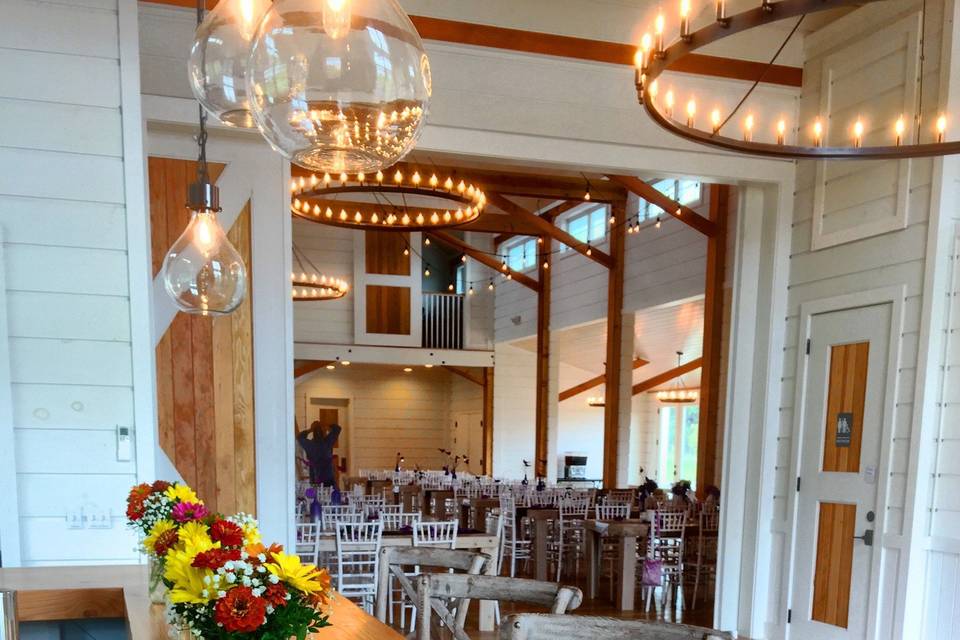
{"x":628,"y":573}
{"x":593,"y":562}
{"x":540,"y":549}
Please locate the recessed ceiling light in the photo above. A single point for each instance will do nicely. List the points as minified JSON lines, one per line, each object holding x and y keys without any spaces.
{"x":345,"y":363}
{"x":331,"y":367}
{"x":407,"y":370}
{"x":428,"y":366}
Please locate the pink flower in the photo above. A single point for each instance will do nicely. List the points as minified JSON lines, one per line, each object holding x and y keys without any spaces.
{"x":187,"y":511}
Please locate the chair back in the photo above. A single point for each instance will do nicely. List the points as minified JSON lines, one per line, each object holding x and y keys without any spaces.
{"x":394,"y":560}
{"x":397,"y":521}
{"x":619,"y":496}
{"x":534,"y":626}
{"x":612,"y":511}
{"x":358,"y":551}
{"x":669,"y":523}
{"x":338,"y":513}
{"x":434,"y":589}
{"x":709,"y":521}
{"x":308,"y":541}
{"x":436,"y":534}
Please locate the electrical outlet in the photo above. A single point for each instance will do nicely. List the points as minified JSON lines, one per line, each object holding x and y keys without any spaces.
{"x":74,"y":520}
{"x":99,"y":519}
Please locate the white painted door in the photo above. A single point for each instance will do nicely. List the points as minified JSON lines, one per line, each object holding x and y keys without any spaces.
{"x":837,"y":511}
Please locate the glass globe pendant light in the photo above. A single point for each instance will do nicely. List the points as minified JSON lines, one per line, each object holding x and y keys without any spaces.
{"x":339,"y":85}
{"x":218,"y":59}
{"x":203,"y":273}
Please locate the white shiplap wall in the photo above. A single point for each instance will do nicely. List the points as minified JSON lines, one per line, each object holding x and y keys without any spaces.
{"x":331,"y":250}
{"x":66,"y":191}
{"x":855,"y":196}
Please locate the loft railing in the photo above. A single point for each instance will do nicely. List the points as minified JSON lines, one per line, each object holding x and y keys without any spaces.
{"x":443,"y":321}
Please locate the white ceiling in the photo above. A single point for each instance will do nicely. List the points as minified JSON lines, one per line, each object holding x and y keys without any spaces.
{"x":659,"y":332}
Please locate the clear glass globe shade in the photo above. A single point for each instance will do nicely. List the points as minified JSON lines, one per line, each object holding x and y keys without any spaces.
{"x":203,"y":273}
{"x":339,"y":85}
{"x":218,"y":60}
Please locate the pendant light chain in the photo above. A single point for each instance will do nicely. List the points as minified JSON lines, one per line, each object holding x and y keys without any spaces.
{"x":203,"y":173}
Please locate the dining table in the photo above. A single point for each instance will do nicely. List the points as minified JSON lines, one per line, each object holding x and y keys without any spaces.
{"x":625,"y":533}
{"x":55,"y":594}
{"x":540,"y":517}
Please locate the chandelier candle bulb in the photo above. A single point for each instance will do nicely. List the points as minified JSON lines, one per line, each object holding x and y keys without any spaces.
{"x":817,"y":133}
{"x":858,"y":133}
{"x":645,"y":46}
{"x":766,"y":5}
{"x":658,"y":29}
{"x":781,"y":131}
{"x":941,"y":128}
{"x":722,"y":13}
{"x":715,"y":120}
{"x":691,"y":112}
{"x":685,"y":20}
{"x":668,"y":100}
{"x":898,"y":128}
{"x":748,"y":123}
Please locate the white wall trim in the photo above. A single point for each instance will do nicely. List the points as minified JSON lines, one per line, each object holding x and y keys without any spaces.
{"x":895,"y":296}
{"x":9,"y":497}
{"x":139,"y":263}
{"x":393,"y":355}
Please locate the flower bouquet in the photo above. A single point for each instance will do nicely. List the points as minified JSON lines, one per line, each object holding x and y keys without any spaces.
{"x":224,"y":584}
{"x":157,"y":511}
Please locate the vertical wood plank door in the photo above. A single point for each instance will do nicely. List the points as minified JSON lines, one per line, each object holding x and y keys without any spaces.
{"x":204,"y":365}
{"x":839,"y":523}
{"x":388,"y":310}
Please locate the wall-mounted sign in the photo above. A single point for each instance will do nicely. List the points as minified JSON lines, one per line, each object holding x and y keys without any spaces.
{"x":844,"y":429}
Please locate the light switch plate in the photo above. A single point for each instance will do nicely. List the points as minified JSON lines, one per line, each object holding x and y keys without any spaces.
{"x":124,"y":444}
{"x":74,"y":520}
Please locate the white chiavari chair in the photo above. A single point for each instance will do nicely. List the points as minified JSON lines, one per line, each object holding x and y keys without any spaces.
{"x":703,"y":560}
{"x":665,"y":544}
{"x":516,"y":543}
{"x":308,"y":542}
{"x":358,"y":552}
{"x":333,"y":514}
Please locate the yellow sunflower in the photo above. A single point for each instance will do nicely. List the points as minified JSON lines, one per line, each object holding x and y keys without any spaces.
{"x":159,"y":528}
{"x":251,"y":535}
{"x":182,"y":493}
{"x":302,"y":577}
{"x":188,"y":581}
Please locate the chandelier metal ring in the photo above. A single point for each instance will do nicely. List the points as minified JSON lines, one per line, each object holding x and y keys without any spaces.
{"x":311,"y":200}
{"x":316,"y":289}
{"x":656,"y":63}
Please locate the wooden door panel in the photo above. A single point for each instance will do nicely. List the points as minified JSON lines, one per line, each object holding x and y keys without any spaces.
{"x":384,"y":253}
{"x":388,"y":310}
{"x":846,"y":393}
{"x":832,"y":578}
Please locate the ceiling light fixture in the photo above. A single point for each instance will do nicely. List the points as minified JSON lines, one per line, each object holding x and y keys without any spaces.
{"x":343,"y":86}
{"x":433,"y":206}
{"x":930,"y":142}
{"x":314,"y":285}
{"x":679,"y":394}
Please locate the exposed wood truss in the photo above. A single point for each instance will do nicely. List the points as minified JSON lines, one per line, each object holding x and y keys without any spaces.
{"x":488,"y":421}
{"x":548,"y":229}
{"x":550,"y":215}
{"x":662,"y":378}
{"x":713,"y":312}
{"x":482,"y":35}
{"x":466,"y":374}
{"x":595,"y":381}
{"x":682,"y":213}
{"x":483,"y":258}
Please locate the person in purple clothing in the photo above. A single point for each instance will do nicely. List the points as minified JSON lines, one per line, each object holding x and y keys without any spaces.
{"x":318,"y":443}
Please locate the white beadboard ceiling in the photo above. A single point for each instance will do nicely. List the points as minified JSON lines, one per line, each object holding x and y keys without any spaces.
{"x":659,"y":332}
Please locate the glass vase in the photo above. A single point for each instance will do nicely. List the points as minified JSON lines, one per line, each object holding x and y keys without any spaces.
{"x":156,"y":589}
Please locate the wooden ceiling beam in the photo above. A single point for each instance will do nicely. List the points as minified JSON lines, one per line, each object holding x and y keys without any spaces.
{"x":483,"y":258}
{"x":548,"y":229}
{"x":681,"y":212}
{"x":549,"y":44}
{"x":549,"y":215}
{"x":485,"y":223}
{"x":667,"y":376}
{"x":477,"y":379}
{"x":303,"y":367}
{"x":595,"y":381}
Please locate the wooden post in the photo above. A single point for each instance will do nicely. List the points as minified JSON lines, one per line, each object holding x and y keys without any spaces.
{"x":488,"y":421}
{"x":720,"y":202}
{"x":543,"y":358}
{"x":611,"y":412}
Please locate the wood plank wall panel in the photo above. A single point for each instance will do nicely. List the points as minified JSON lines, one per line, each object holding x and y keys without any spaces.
{"x":388,"y":310}
{"x":846,"y":394}
{"x":384,"y":253}
{"x":204,"y":365}
{"x":834,"y":566}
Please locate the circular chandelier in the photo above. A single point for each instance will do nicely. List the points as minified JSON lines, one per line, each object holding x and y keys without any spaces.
{"x":417,"y":203}
{"x":679,"y":394}
{"x":652,"y":59}
{"x":339,"y":85}
{"x":314,"y":286}
{"x":332,"y":85}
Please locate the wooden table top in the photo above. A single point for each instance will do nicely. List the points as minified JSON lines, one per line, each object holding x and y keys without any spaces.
{"x":617,"y":528}
{"x":120,"y":591}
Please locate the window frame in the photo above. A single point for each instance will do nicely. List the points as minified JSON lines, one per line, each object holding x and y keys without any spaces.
{"x":600,"y":209}
{"x":645,"y":210}
{"x":520,"y":243}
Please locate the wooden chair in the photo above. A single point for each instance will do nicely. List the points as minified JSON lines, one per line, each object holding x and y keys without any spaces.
{"x":435,"y":590}
{"x":393,"y":561}
{"x":534,"y":626}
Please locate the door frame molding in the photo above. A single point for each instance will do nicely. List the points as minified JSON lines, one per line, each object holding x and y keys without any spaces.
{"x":896,"y":297}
